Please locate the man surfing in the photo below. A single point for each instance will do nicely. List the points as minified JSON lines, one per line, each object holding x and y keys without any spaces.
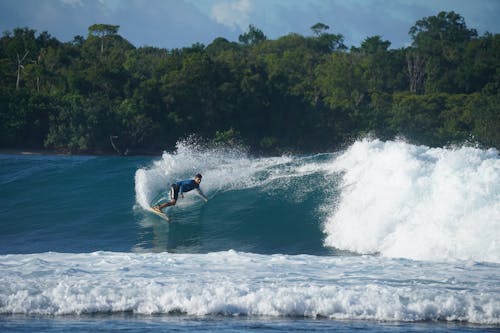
{"x":181,"y":187}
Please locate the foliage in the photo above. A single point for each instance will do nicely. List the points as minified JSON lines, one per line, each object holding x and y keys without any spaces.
{"x":294,"y":93}
{"x":252,"y":37}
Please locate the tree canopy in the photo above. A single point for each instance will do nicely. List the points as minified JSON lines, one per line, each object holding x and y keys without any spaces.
{"x":292,"y":94}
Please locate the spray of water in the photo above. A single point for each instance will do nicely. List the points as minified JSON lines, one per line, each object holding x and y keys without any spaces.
{"x":391,"y":198}
{"x":402,"y":200}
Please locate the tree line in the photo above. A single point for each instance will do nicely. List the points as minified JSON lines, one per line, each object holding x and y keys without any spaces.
{"x":293,"y":94}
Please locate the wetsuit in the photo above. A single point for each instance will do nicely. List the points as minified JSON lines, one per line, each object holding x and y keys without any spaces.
{"x":182,"y":186}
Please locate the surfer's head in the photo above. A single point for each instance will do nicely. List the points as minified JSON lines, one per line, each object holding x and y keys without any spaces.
{"x":197,"y":178}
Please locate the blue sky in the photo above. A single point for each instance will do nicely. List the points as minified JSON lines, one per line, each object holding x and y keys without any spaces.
{"x":179,"y":23}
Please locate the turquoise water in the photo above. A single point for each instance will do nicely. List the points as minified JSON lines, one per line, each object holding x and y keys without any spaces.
{"x":385,"y":236}
{"x":67,"y":204}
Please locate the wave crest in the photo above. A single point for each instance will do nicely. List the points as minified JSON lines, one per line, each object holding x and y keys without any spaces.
{"x":402,"y":200}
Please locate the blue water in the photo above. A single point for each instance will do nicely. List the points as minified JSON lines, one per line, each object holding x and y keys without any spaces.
{"x":385,"y":236}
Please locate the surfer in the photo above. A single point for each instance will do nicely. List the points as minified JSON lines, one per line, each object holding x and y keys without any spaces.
{"x":181,"y":187}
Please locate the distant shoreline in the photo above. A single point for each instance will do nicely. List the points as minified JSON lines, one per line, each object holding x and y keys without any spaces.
{"x":52,"y":152}
{"x":7,"y":151}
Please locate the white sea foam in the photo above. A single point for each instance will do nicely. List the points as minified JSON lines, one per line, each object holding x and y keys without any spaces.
{"x":231,"y":283}
{"x":402,"y":200}
{"x":394,"y":198}
{"x":222,"y":169}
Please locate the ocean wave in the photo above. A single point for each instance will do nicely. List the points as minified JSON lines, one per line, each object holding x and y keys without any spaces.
{"x":402,"y":200}
{"x":222,"y":170}
{"x":260,"y":205}
{"x":389,"y":198}
{"x":232,"y":283}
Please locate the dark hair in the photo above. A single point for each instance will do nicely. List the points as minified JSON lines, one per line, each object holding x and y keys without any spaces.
{"x":198,"y":175}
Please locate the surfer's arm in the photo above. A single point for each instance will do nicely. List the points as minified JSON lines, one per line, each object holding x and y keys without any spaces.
{"x":202,"y":195}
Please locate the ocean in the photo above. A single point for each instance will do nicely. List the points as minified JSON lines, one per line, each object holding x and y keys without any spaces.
{"x":384,"y":236}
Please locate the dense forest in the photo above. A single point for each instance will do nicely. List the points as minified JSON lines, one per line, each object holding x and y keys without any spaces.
{"x":293,"y":94}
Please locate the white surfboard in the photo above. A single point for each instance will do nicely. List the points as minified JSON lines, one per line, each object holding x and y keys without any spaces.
{"x":162,"y":215}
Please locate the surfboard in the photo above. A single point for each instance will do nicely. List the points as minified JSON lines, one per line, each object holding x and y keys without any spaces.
{"x":162,"y":215}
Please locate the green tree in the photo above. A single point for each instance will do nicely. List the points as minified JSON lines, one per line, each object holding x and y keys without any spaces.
{"x":252,"y":36}
{"x":103,"y":72}
{"x":21,"y":49}
{"x":440,"y":41}
{"x":82,"y":124}
{"x":319,"y":29}
{"x":103,"y":30}
{"x":294,"y":93}
{"x":479,"y":69}
{"x":485,"y":114}
{"x":24,"y":121}
{"x":418,"y":117}
{"x":374,"y":45}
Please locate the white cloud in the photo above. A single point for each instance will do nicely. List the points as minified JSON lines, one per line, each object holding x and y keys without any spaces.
{"x":234,"y":14}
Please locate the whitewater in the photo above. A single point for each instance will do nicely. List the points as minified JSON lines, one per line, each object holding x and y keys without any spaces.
{"x":381,"y":232}
{"x":390,"y":198}
{"x":234,"y":284}
{"x":408,"y":201}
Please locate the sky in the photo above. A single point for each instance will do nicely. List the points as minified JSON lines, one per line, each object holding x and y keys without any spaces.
{"x":181,"y":23}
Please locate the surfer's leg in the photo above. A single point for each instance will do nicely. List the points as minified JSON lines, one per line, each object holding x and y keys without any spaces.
{"x":174,"y":194}
{"x":170,"y":203}
{"x":166,"y":204}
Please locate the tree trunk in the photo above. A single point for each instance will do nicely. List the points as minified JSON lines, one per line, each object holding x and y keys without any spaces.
{"x":19,"y":68}
{"x":416,"y":71}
